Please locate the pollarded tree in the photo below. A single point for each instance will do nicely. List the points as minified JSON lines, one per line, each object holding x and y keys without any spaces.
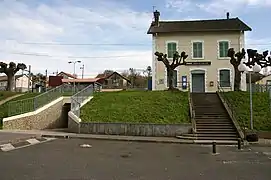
{"x":178,"y":60}
{"x":235,"y":60}
{"x":10,"y":70}
{"x":253,"y":57}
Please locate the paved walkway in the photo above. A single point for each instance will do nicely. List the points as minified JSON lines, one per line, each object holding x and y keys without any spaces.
{"x":9,"y":98}
{"x":13,"y":137}
{"x":58,"y":134}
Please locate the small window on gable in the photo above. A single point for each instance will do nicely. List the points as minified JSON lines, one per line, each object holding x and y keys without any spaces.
{"x":225,"y":78}
{"x":197,"y":50}
{"x":223,"y":49}
{"x":171,"y":49}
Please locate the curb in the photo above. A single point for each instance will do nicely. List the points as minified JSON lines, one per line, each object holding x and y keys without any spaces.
{"x":135,"y":139}
{"x":120,"y":138}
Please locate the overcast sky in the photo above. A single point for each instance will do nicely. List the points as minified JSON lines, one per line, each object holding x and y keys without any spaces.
{"x":48,"y":33}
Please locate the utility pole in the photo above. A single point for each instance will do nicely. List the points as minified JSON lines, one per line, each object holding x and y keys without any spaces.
{"x":46,"y":73}
{"x":29,"y":77}
{"x":83,"y":67}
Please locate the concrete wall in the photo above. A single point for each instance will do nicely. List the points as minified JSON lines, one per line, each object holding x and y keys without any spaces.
{"x":133,"y":129}
{"x":49,"y":116}
{"x":76,"y":125}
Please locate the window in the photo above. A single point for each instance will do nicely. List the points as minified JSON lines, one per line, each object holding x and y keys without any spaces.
{"x":224,"y":78}
{"x":174,"y":78}
{"x":171,"y":49}
{"x":197,"y":50}
{"x":223,"y":49}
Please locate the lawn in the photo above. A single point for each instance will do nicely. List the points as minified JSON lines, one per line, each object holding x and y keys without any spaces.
{"x":6,"y":94}
{"x":261,"y":112}
{"x":137,"y":107}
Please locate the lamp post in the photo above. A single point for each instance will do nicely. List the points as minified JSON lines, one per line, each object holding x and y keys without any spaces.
{"x":255,"y":69}
{"x":74,"y":62}
{"x":82,"y":68}
{"x":254,"y":64}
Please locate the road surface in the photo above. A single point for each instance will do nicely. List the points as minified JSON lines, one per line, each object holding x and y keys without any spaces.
{"x":115,"y":160}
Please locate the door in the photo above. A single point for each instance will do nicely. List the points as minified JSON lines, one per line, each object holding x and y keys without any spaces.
{"x":198,"y":83}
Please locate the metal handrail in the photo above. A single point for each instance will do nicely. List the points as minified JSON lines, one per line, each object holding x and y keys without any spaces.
{"x":192,"y":111}
{"x":230,"y":104}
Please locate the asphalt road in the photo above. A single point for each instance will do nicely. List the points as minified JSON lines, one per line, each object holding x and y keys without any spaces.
{"x":112,"y":160}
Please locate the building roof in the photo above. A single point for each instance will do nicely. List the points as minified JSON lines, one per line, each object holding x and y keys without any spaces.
{"x":5,"y":78}
{"x":86,"y":80}
{"x":67,"y":74}
{"x":104,"y":76}
{"x":231,"y":24}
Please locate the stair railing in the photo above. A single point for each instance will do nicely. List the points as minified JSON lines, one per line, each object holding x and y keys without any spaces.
{"x":192,"y":111}
{"x":230,"y":107}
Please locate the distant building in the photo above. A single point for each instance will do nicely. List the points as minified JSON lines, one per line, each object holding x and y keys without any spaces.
{"x":20,"y":85}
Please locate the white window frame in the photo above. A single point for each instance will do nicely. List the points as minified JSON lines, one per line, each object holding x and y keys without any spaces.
{"x":192,"y":49}
{"x":218,"y":50}
{"x":231,"y":77}
{"x":166,"y":45}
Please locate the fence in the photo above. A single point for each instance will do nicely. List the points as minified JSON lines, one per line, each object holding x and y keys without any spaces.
{"x":259,"y":87}
{"x":78,"y":98}
{"x":34,"y":103}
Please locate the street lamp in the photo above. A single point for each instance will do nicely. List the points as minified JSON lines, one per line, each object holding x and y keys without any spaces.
{"x":254,"y":64}
{"x":74,"y":62}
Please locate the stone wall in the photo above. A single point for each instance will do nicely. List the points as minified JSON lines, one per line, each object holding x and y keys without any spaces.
{"x":46,"y":117}
{"x":133,"y":129}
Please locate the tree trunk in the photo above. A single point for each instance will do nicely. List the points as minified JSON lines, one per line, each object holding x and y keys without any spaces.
{"x":170,"y":79}
{"x":237,"y":79}
{"x":10,"y":84}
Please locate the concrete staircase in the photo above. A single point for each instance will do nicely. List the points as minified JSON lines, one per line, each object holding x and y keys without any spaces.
{"x":212,"y":120}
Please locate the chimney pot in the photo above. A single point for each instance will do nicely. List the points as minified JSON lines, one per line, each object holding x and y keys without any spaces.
{"x":156,"y":15}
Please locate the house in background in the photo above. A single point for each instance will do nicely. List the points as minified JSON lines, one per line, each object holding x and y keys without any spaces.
{"x":206,"y":42}
{"x":67,"y":75}
{"x":265,"y":81}
{"x":21,"y":83}
{"x":113,"y":80}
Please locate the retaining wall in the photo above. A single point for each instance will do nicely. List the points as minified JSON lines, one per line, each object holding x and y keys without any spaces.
{"x":46,"y":117}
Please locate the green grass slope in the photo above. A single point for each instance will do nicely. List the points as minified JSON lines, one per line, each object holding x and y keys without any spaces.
{"x":137,"y":107}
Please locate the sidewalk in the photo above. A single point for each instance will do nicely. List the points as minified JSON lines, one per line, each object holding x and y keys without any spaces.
{"x":14,"y":137}
{"x":57,"y":134}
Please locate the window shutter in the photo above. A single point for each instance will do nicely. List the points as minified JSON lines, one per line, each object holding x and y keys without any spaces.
{"x":171,"y":49}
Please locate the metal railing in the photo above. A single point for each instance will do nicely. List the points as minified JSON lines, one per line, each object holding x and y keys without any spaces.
{"x":231,"y":105}
{"x":34,"y":103}
{"x":192,"y":111}
{"x":259,"y":87}
{"x":78,"y":98}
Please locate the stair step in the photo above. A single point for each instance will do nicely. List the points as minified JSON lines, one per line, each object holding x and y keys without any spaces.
{"x":218,"y":138}
{"x":216,"y":130}
{"x":214,"y":127}
{"x":216,"y":135}
{"x":213,"y":123}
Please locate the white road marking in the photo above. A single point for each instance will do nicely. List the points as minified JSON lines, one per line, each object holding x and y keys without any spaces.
{"x":33,"y":141}
{"x":7,"y":147}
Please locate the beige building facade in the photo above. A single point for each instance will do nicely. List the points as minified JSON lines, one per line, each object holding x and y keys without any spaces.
{"x":207,"y":63}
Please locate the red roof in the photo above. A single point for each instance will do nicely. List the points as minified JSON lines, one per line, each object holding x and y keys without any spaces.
{"x":86,"y":80}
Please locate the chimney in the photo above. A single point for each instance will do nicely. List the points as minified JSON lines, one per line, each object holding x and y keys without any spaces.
{"x":156,"y":15}
{"x":228,"y":15}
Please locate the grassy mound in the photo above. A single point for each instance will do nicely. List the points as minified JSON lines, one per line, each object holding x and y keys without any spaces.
{"x":137,"y":107}
{"x":6,"y":94}
{"x":261,"y":111}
